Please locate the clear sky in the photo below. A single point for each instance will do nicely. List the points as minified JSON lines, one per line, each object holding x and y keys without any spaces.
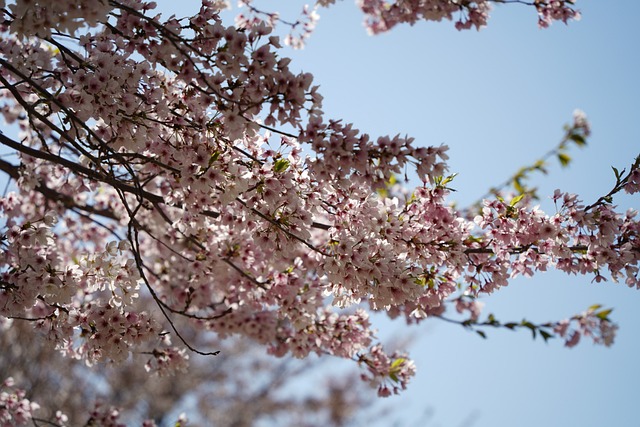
{"x":499,"y":98}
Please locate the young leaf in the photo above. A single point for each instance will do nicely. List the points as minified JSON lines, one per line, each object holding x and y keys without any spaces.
{"x":214,"y":157}
{"x":530,"y":326}
{"x":545,"y":335}
{"x":516,"y":199}
{"x":604,"y":314}
{"x":617,"y":173}
{"x":518,"y":186}
{"x":564,"y":159}
{"x":280,"y":165}
{"x":396,"y":363}
{"x":539,"y":165}
{"x":578,"y":139}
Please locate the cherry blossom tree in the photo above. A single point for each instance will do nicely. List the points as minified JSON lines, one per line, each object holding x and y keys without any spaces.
{"x":174,"y":183}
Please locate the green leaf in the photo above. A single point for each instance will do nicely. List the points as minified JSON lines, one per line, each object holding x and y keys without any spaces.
{"x":578,"y":139}
{"x":539,"y":165}
{"x":530,"y":326}
{"x":604,"y":314}
{"x":518,"y":186}
{"x":449,"y":179}
{"x":214,"y":157}
{"x":396,"y":364}
{"x":482,"y":334}
{"x":594,"y":307}
{"x":280,"y":165}
{"x":617,"y":173}
{"x":545,"y":335}
{"x":442,"y":182}
{"x":515,"y":200}
{"x":564,"y":159}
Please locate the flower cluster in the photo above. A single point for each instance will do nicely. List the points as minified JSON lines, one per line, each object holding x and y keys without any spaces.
{"x":633,"y":184}
{"x":382,"y":15}
{"x":103,"y":415}
{"x":168,"y":361}
{"x":41,"y":17}
{"x":473,"y":306}
{"x":15,"y":409}
{"x":108,"y":333}
{"x":555,"y":10}
{"x":593,"y":323}
{"x":575,"y":240}
{"x":300,"y":29}
{"x":389,"y":373}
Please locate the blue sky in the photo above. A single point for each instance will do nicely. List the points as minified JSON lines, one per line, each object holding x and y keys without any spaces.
{"x":499,"y":98}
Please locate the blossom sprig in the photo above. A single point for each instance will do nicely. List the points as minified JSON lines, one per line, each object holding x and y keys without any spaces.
{"x":299,"y":30}
{"x":388,"y":373}
{"x":15,"y":408}
{"x":382,"y":16}
{"x":555,"y":10}
{"x":167,"y":361}
{"x":577,"y":239}
{"x":594,"y":323}
{"x":628,"y":183}
{"x":40,"y":18}
{"x":577,"y":134}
